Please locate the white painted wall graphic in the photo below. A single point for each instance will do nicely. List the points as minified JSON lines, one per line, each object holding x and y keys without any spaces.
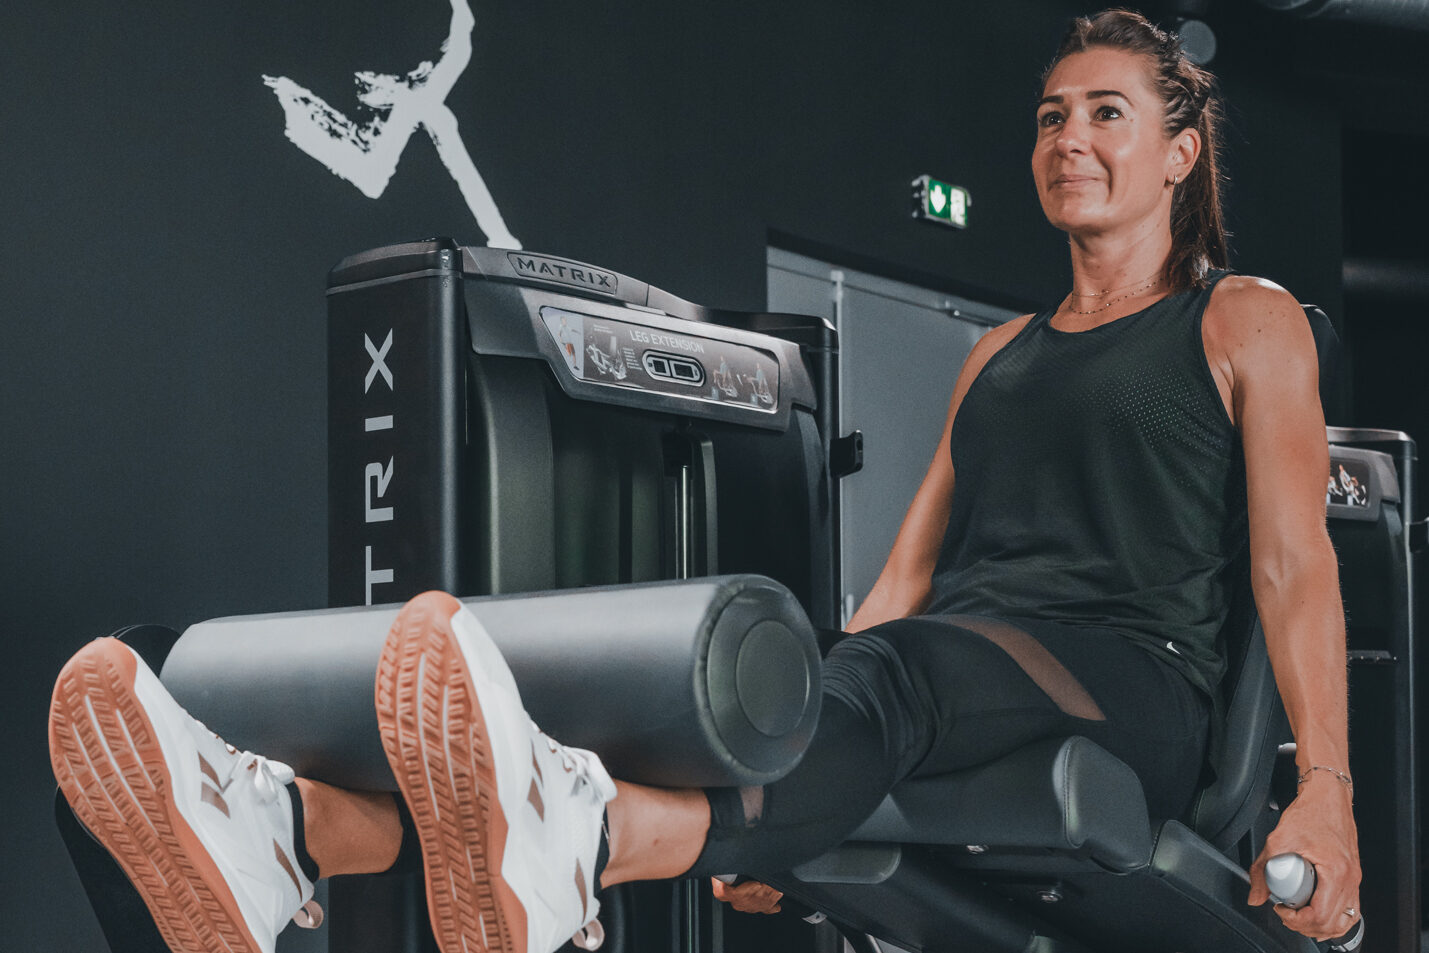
{"x":366,"y":153}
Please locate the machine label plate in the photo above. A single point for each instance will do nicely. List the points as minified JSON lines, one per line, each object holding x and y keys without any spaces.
{"x":638,"y":357}
{"x":563,"y":272}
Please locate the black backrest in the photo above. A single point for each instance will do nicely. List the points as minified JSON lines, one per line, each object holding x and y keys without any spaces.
{"x":1242,"y":756}
{"x":1327,"y":347}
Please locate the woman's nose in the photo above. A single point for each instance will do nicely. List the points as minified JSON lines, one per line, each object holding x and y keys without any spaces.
{"x":1071,"y":136}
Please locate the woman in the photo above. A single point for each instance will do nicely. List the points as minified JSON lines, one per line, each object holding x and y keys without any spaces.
{"x":1112,"y":455}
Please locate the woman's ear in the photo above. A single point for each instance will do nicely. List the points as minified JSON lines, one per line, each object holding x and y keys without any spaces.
{"x":1185,"y":150}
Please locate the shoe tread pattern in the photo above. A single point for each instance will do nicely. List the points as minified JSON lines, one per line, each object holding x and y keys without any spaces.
{"x":447,"y":779}
{"x":126,"y":801}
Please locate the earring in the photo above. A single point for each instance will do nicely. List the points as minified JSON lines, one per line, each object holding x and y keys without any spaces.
{"x":1175,"y":179}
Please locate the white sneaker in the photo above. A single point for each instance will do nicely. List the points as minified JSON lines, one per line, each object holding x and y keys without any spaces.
{"x":203,"y":831}
{"x":509,"y":821}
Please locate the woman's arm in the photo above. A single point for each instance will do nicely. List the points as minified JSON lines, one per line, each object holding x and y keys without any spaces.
{"x":1261,"y":345}
{"x":904,"y":587}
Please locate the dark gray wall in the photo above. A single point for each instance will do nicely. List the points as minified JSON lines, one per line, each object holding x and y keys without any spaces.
{"x":165,"y":250}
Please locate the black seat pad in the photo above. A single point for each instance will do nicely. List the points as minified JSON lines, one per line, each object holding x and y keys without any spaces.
{"x":1063,"y":794}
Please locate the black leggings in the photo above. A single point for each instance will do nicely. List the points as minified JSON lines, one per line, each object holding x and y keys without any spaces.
{"x":925,"y":696}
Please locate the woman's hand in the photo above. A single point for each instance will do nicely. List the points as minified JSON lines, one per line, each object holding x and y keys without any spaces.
{"x":1319,"y":826}
{"x":748,"y":897}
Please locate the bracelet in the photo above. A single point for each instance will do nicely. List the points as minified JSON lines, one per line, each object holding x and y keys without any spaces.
{"x":1301,"y":779}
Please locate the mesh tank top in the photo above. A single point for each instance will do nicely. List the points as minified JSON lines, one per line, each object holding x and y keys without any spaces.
{"x":1099,"y":482}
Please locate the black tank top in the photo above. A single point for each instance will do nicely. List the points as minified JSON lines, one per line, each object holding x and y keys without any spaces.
{"x":1099,"y":482}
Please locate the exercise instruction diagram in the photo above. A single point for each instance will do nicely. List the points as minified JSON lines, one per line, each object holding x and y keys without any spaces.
{"x":366,"y":153}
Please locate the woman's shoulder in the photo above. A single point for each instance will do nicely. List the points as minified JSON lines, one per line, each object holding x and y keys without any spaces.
{"x":1250,"y":321}
{"x":1246,"y":295}
{"x":1244,"y":307}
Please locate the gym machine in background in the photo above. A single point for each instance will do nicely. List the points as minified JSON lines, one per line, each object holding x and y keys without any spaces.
{"x":510,"y":422}
{"x":504,"y":422}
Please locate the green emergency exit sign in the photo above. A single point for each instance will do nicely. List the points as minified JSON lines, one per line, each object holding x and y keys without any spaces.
{"x":938,"y":201}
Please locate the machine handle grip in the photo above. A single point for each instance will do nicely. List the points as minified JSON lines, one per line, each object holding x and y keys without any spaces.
{"x":1291,"y":881}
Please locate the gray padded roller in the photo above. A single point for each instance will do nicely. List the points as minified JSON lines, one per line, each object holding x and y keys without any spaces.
{"x":705,"y":682}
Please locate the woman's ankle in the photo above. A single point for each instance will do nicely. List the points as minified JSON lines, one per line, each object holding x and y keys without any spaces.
{"x":654,"y":833}
{"x":348,"y":832}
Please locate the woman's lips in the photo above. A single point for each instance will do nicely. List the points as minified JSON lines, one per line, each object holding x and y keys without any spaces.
{"x":1073,"y":181}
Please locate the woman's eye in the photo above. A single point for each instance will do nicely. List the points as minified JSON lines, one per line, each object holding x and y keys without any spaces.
{"x":1049,"y":119}
{"x":1108,"y":112}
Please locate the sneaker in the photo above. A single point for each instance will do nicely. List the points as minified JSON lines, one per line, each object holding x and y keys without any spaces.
{"x":202,"y":830}
{"x":509,"y":821}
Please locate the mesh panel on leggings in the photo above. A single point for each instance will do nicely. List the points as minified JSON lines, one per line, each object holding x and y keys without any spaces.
{"x":1040,"y":665}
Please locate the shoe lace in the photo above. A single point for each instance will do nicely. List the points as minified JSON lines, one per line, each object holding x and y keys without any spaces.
{"x":586,"y":770}
{"x":266,"y":776}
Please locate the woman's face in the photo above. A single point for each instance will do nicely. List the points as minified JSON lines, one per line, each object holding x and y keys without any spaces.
{"x":1102,"y":161}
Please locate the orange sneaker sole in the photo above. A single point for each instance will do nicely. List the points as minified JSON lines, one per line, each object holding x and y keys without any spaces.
{"x":447,"y":778}
{"x":109,"y":764}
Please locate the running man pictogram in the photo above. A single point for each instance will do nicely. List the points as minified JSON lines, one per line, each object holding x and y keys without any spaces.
{"x":366,"y":153}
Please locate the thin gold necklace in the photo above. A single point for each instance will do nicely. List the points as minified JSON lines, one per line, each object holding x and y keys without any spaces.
{"x":1107,"y":291}
{"x":1144,"y":286}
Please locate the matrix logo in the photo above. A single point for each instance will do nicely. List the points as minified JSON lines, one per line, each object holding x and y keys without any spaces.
{"x":366,"y":153}
{"x":554,"y":269}
{"x":377,"y":476}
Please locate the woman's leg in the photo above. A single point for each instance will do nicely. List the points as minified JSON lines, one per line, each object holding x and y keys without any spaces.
{"x":921,"y":697}
{"x":895,"y":697}
{"x":961,"y":692}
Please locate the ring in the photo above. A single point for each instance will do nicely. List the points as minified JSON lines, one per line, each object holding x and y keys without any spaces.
{"x":1351,"y":912}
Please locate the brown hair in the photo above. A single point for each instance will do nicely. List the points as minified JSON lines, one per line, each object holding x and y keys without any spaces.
{"x":1191,"y":101}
